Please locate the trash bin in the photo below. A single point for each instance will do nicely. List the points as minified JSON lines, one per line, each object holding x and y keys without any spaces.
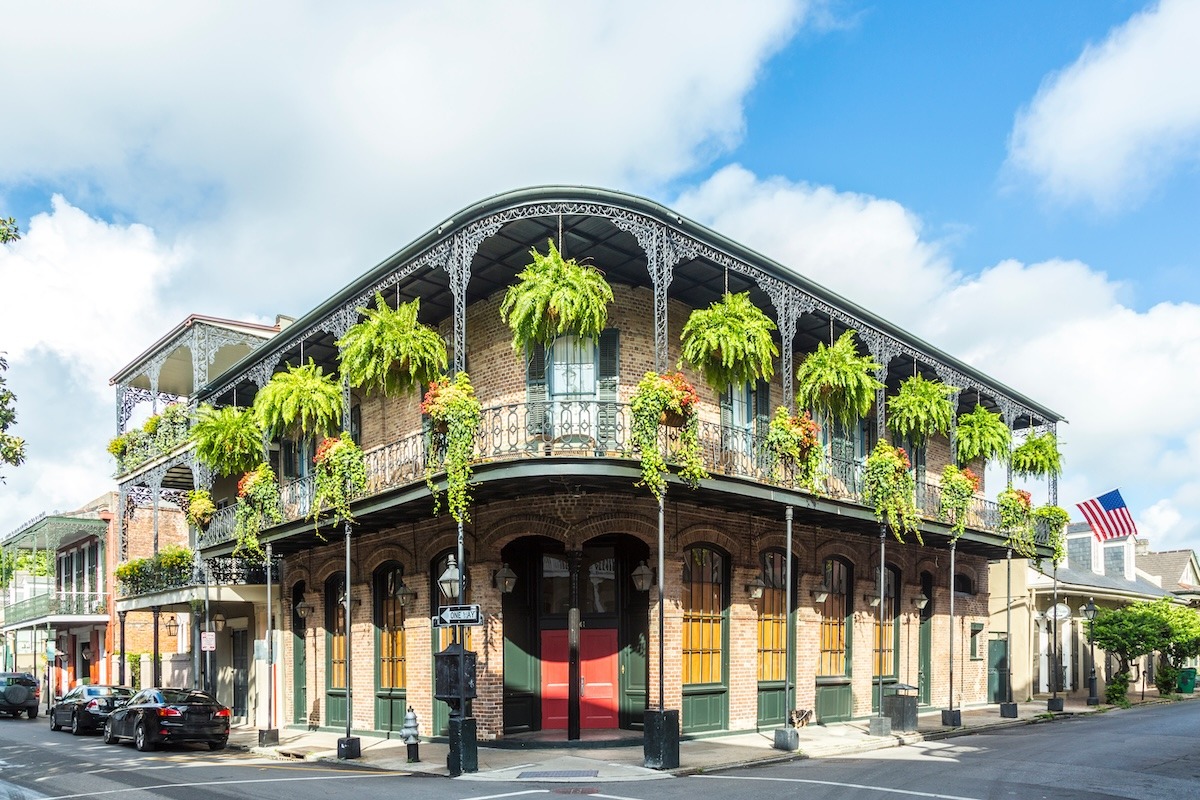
{"x":900,"y":705}
{"x":1186,"y":682}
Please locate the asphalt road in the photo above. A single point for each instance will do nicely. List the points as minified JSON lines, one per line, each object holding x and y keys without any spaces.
{"x":1148,"y":753}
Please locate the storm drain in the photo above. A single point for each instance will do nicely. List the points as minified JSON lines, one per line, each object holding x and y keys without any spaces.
{"x":560,"y":773}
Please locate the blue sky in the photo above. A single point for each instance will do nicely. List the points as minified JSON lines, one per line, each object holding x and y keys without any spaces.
{"x":1016,"y":182}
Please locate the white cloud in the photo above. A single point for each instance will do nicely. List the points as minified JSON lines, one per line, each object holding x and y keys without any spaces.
{"x":1111,"y":125}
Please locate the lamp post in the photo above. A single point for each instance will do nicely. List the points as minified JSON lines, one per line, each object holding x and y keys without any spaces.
{"x":1088,"y":610}
{"x":880,"y":725}
{"x":1008,"y":708}
{"x":269,"y":736}
{"x":1055,"y":703}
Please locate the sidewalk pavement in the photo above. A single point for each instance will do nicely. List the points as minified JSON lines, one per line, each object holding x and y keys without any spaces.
{"x":606,"y":761}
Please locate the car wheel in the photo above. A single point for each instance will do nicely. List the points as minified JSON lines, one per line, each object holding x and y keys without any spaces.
{"x":76,"y":727}
{"x":109,"y":736}
{"x":141,"y":738}
{"x":30,"y":712}
{"x":218,"y":745}
{"x":54,"y":726}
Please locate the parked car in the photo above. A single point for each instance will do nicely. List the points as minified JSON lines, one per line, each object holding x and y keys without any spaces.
{"x":21,"y":694}
{"x":157,"y":716}
{"x":85,"y":708}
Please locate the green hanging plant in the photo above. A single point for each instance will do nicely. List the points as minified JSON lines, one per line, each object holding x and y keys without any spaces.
{"x":1055,"y":520}
{"x":228,"y":440}
{"x":730,"y":342}
{"x":981,"y":434}
{"x":958,"y":489}
{"x":453,"y":409}
{"x":920,"y":409}
{"x":555,"y":296}
{"x":889,"y":485}
{"x":257,"y":508}
{"x":1016,"y":521}
{"x":1038,"y":456}
{"x":302,"y":400}
{"x":837,"y":383}
{"x":200,"y":508}
{"x":390,"y":351}
{"x":341,"y":475}
{"x":666,"y":400}
{"x":793,"y":441}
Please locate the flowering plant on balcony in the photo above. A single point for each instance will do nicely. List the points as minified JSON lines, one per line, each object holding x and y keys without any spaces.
{"x":341,"y":475}
{"x":453,"y":408}
{"x":200,"y":508}
{"x":1055,"y":520}
{"x":555,"y":296}
{"x":257,"y":506}
{"x":730,"y":342}
{"x":159,"y":435}
{"x":666,"y":400}
{"x":1016,"y":521}
{"x":958,"y":487}
{"x":888,"y":484}
{"x":170,"y":568}
{"x":1038,"y":456}
{"x":793,"y":440}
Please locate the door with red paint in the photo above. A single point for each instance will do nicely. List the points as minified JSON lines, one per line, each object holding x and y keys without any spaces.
{"x":556,"y":676}
{"x":598,"y":674}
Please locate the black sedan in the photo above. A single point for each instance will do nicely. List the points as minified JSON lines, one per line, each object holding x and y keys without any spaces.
{"x":85,"y":708}
{"x":158,"y":716}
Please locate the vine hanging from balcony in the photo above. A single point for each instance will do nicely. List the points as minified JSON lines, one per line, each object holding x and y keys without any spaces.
{"x":958,"y":488}
{"x":301,"y":400}
{"x":555,"y":296}
{"x":390,"y":351}
{"x":836,"y":383}
{"x":1038,"y":456}
{"x":1016,"y":521}
{"x":454,"y":412}
{"x":666,"y":400}
{"x":1055,"y":520}
{"x":730,"y":342}
{"x":888,"y":484}
{"x":981,"y":434}
{"x":257,"y":507}
{"x":920,"y":410}
{"x":341,"y":475}
{"x":228,"y":440}
{"x":200,"y":508}
{"x":793,"y":441}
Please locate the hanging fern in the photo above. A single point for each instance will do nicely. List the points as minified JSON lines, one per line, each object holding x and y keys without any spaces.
{"x":555,"y":296}
{"x":391,"y":351}
{"x":228,"y":440}
{"x":1038,"y":456}
{"x":981,"y":434}
{"x":303,"y":400}
{"x":920,"y":409}
{"x":836,"y":382}
{"x":730,"y":342}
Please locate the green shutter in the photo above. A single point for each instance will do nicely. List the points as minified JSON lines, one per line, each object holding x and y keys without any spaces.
{"x":728,"y":434}
{"x":607,"y":416}
{"x":536,"y":394}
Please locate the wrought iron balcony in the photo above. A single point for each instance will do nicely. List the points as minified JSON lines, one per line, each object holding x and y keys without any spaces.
{"x":145,"y":447}
{"x":591,"y":430}
{"x":52,"y":604}
{"x":217,"y":571}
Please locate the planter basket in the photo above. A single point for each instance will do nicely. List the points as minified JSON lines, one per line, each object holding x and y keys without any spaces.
{"x":672,"y":419}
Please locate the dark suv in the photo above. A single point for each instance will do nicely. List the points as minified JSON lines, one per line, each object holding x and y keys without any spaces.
{"x":19,"y":693}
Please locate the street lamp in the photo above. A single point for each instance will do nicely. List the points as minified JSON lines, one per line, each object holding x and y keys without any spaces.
{"x":449,"y":580}
{"x":643,"y":577}
{"x":1088,"y":610}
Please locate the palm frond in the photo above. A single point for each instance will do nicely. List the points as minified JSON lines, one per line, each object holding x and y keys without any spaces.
{"x":301,"y":400}
{"x":390,"y":351}
{"x":730,"y":342}
{"x":920,"y":409}
{"x":836,"y":382}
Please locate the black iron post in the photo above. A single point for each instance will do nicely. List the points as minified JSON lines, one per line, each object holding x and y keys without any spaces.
{"x":660,"y":727}
{"x":1089,"y":611}
{"x":879,"y":724}
{"x":463,"y":755}
{"x":787,"y":738}
{"x":952,"y":717}
{"x":1055,"y":703}
{"x":348,"y":746}
{"x":269,"y":736}
{"x":156,"y":668}
{"x":121,"y":625}
{"x":1008,"y":708}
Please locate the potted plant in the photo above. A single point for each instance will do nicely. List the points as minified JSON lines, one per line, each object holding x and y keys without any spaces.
{"x":200,"y":508}
{"x":390,"y":351}
{"x":228,"y":440}
{"x":730,"y":342}
{"x":554,"y":296}
{"x":666,"y":400}
{"x":958,"y":488}
{"x":257,"y":506}
{"x":341,"y":475}
{"x":1038,"y":456}
{"x":1016,"y":521}
{"x":134,"y":575}
{"x":836,"y":382}
{"x":981,"y":434}
{"x":793,"y":441}
{"x":1054,"y":519}
{"x":920,"y":409}
{"x":453,"y":408}
{"x":888,"y":484}
{"x":301,"y":400}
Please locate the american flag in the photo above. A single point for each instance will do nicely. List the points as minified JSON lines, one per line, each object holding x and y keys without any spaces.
{"x":1109,"y":516}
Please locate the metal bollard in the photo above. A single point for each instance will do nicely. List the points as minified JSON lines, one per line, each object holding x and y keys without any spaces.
{"x":409,"y":734}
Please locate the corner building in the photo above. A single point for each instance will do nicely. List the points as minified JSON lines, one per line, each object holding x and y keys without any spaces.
{"x":555,"y":502}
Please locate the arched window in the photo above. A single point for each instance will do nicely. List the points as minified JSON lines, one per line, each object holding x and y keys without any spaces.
{"x":835,"y":620}
{"x":335,"y":627}
{"x":773,"y":617}
{"x":887,"y":632}
{"x":389,"y":623}
{"x":704,"y":579}
{"x":963,"y":584}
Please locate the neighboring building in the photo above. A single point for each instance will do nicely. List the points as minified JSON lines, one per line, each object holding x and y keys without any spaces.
{"x":1102,"y":571}
{"x":1176,"y":571}
{"x":555,"y":503}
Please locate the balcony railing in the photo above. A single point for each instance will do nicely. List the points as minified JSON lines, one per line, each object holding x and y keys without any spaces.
{"x":144,"y":447}
{"x":57,"y":604}
{"x":222,"y":571}
{"x":596,"y":430}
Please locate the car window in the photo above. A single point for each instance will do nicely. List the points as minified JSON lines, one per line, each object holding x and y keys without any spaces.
{"x":140,"y":697}
{"x":183,"y":696}
{"x":71,"y":695}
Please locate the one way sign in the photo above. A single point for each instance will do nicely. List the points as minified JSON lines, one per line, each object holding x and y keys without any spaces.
{"x":458,"y":615}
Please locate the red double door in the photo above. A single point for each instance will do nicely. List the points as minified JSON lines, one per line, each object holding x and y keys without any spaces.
{"x":598,"y":678}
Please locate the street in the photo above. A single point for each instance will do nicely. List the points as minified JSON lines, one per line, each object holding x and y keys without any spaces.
{"x":1145,"y":753}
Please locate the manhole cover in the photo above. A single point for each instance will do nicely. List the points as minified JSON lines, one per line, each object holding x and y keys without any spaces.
{"x":560,"y":773}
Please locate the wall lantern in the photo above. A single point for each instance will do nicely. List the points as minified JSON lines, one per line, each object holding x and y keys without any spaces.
{"x":504,"y":579}
{"x":755,"y":588}
{"x":218,"y":621}
{"x":920,"y":601}
{"x":303,"y":610}
{"x":450,"y":580}
{"x":86,"y":652}
{"x":643,"y":577}
{"x":820,"y":594}
{"x":171,"y":625}
{"x":871,"y":599}
{"x":403,"y":594}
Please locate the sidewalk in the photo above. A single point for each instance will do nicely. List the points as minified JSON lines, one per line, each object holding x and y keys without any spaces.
{"x":608,"y":762}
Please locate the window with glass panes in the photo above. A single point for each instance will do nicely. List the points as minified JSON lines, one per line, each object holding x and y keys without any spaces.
{"x":335,"y":625}
{"x":887,"y":633}
{"x":703,"y":615}
{"x":773,"y":619}
{"x":391,"y":627}
{"x":834,"y":611}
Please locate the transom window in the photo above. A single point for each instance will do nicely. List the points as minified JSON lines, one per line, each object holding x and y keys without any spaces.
{"x":703,"y":615}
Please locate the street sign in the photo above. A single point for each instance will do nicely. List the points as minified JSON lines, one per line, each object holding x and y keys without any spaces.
{"x":208,"y":641}
{"x":458,"y":615}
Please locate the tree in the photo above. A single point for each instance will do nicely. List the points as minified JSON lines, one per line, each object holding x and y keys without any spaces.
{"x":1129,"y":633}
{"x":12,"y":448}
{"x":9,"y":232}
{"x":1184,"y":643}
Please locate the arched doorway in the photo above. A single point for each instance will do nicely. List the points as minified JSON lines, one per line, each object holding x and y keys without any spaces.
{"x":575,"y":636}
